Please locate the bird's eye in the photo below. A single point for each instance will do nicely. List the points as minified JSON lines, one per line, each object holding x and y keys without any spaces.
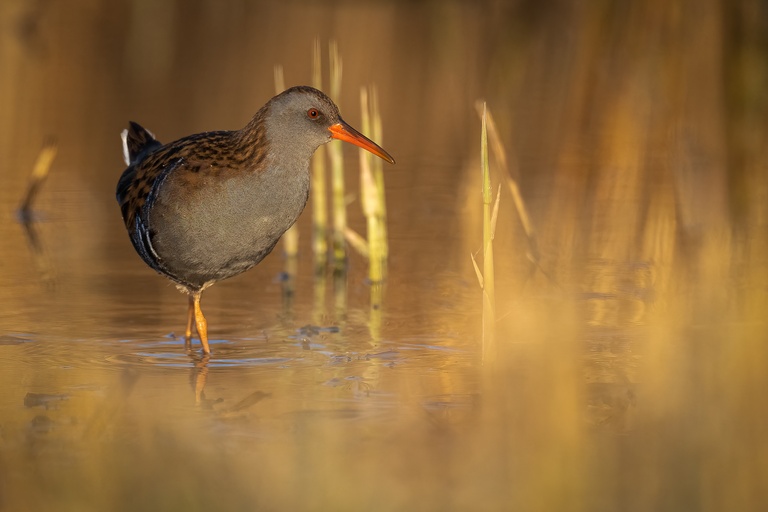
{"x":313,"y":113}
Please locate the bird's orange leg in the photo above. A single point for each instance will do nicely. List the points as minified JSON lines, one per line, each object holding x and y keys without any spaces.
{"x":190,"y":321}
{"x":200,"y":323}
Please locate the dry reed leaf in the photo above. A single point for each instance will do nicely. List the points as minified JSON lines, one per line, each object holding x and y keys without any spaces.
{"x":477,"y":271}
{"x":356,"y":241}
{"x":495,"y":214}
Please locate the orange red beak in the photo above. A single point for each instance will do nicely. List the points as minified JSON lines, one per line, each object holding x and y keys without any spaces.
{"x":343,"y":131}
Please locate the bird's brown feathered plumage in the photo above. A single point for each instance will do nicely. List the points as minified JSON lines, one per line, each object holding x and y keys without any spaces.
{"x":210,"y":206}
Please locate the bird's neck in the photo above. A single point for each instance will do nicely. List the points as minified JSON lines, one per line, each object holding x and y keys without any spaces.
{"x":273,"y":145}
{"x":251,"y":141}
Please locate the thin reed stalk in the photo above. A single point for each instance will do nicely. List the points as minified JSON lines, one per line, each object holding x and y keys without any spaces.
{"x":500,"y":155}
{"x":291,"y":237}
{"x":370,"y":199}
{"x":375,"y":319}
{"x":378,"y":174}
{"x":340,"y":297}
{"x":319,"y":292}
{"x":488,"y":278}
{"x":336,"y":157}
{"x":39,"y":174}
{"x":318,"y":182}
{"x":357,"y":242}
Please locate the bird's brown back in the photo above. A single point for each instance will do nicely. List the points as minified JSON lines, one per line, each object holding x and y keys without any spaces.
{"x":208,"y":154}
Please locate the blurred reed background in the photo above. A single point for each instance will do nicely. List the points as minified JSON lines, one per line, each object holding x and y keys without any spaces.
{"x":630,"y":329}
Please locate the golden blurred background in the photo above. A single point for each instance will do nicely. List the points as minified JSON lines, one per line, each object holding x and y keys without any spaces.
{"x":630,"y":324}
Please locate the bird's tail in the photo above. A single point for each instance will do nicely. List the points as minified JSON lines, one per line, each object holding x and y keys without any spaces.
{"x":137,"y":143}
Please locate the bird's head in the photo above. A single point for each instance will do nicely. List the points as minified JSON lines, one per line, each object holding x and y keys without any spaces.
{"x":303,"y":116}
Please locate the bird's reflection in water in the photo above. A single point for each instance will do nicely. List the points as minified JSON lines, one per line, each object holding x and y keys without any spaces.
{"x":199,"y":376}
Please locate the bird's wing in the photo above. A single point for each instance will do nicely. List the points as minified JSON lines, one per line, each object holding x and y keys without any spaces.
{"x":137,"y":202}
{"x":151,"y":165}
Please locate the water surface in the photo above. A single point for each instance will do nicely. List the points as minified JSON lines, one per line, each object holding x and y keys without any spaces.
{"x":630,"y":326}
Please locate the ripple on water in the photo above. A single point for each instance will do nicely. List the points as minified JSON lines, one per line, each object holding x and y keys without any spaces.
{"x":243,"y":352}
{"x":15,"y":339}
{"x":303,"y":347}
{"x":250,"y":352}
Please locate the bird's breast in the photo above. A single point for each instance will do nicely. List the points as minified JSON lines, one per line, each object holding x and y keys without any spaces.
{"x":220,"y":226}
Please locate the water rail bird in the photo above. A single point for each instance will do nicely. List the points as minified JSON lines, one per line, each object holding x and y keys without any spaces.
{"x":212,"y":205}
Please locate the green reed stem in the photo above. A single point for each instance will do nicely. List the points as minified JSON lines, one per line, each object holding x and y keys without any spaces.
{"x":370,"y":200}
{"x":500,"y":156}
{"x":378,"y":175}
{"x":336,"y":157}
{"x":489,"y":293}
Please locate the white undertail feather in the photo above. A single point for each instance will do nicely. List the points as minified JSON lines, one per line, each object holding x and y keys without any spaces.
{"x":126,"y":156}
